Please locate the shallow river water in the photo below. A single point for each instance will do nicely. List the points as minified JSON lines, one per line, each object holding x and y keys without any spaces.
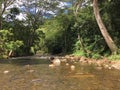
{"x":37,"y":75}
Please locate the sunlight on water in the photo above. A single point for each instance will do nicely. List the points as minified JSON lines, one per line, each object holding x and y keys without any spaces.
{"x":37,"y":75}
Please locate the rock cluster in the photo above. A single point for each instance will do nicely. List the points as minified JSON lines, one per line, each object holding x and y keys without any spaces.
{"x":101,"y":63}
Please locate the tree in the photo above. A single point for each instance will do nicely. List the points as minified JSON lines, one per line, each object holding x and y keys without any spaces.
{"x":114,"y":18}
{"x":77,"y":6}
{"x":36,"y":11}
{"x":3,"y":6}
{"x":103,"y":29}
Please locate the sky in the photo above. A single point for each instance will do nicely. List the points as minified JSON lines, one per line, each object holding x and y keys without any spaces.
{"x":22,"y":16}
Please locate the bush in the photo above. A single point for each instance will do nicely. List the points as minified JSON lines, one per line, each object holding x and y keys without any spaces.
{"x":79,"y":53}
{"x":114,"y":57}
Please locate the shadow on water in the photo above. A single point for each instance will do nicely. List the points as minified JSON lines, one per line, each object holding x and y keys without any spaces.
{"x":24,"y":61}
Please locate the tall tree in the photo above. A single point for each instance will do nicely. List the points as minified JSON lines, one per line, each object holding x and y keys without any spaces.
{"x":35,"y":11}
{"x":77,"y":6}
{"x":103,"y":29}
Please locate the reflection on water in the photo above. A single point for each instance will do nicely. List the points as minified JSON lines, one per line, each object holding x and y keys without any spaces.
{"x":37,"y":75}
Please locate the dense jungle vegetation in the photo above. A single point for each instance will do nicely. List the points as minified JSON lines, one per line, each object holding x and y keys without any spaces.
{"x":88,"y":28}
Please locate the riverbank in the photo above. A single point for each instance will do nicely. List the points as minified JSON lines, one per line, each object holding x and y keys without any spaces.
{"x":99,"y":63}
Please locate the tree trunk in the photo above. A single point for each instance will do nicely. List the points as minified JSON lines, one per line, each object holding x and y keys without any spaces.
{"x":79,"y":38}
{"x":77,"y":6}
{"x":10,"y":53}
{"x":103,"y":29}
{"x":0,"y":23}
{"x":81,"y":43}
{"x":65,"y":38}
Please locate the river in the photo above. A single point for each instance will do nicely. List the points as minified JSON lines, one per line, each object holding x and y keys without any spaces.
{"x":35,"y":74}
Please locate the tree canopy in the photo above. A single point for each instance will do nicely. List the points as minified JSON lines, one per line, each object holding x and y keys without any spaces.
{"x":82,"y":27}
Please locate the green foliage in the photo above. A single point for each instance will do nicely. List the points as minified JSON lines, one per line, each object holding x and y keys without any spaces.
{"x":77,"y":45}
{"x":13,"y":12}
{"x":96,"y":56}
{"x":6,"y":42}
{"x":58,"y":32}
{"x":13,"y":45}
{"x":114,"y":17}
{"x":79,"y":53}
{"x":114,"y":57}
{"x":90,"y":36}
{"x":32,"y":50}
{"x":54,"y":40}
{"x":26,"y":34}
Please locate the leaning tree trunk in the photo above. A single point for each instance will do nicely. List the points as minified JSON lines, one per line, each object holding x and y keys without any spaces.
{"x":103,"y":29}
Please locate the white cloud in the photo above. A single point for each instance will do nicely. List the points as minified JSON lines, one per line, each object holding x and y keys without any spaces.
{"x":62,"y":4}
{"x":21,"y":16}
